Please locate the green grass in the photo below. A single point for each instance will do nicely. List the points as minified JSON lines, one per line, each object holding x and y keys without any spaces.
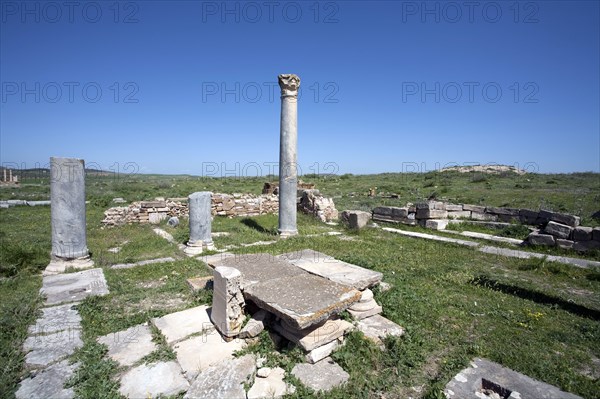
{"x":455,"y":303}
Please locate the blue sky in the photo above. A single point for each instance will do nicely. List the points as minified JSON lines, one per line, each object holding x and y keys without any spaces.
{"x":189,"y":87}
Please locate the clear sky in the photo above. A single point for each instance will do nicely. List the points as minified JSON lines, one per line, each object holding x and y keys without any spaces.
{"x":391,"y":86}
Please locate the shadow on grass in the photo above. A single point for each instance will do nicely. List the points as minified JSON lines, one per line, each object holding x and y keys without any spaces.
{"x":253,"y":224}
{"x":535,"y":296}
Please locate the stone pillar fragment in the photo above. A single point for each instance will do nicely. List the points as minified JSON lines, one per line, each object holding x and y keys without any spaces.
{"x":4,"y":175}
{"x":228,"y":301}
{"x":10,"y":175}
{"x":288,"y":176}
{"x":200,"y":223}
{"x":67,"y":215}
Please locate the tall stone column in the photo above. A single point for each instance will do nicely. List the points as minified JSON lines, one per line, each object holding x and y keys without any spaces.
{"x":200,"y":205}
{"x":10,"y":175}
{"x":4,"y":175}
{"x":67,"y":215}
{"x":288,"y":175}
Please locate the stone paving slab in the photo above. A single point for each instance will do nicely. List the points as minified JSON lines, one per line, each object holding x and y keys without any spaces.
{"x":200,"y":352}
{"x":179,"y":325}
{"x":302,"y":301}
{"x":73,"y":287}
{"x":321,"y":376}
{"x":128,"y":346}
{"x":483,"y":374}
{"x":314,"y":336}
{"x":44,"y":350}
{"x":142,"y":263}
{"x":271,"y":386}
{"x":55,"y":319}
{"x":224,"y":380}
{"x":48,"y":383}
{"x":332,"y":269}
{"x":259,"y":267}
{"x":377,"y":328}
{"x":152,"y":380}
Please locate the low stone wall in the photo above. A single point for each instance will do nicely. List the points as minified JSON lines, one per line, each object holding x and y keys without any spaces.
{"x":556,"y":229}
{"x":230,"y":205}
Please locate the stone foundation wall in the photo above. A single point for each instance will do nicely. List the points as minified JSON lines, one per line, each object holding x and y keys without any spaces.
{"x":555,"y":229}
{"x":230,"y":205}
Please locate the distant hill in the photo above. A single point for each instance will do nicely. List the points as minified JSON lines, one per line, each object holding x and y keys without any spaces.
{"x":490,"y":169}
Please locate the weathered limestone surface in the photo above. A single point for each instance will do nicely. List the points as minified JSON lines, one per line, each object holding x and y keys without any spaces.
{"x":564,"y":244}
{"x":67,"y":212}
{"x":377,"y":328}
{"x":288,"y":163}
{"x":474,"y":208}
{"x":581,"y":233}
{"x":436,"y":224}
{"x":271,"y":385}
{"x":56,"y":318}
{"x":255,"y":325}
{"x":128,"y":346}
{"x":197,"y":353}
{"x":459,"y":214}
{"x":315,"y":336}
{"x":313,"y":203}
{"x":47,"y":349}
{"x":228,"y":301}
{"x":200,"y":218}
{"x":558,"y":230}
{"x":322,"y":351}
{"x":176,"y":326}
{"x":322,"y":376}
{"x":335,"y":270}
{"x":468,"y":383}
{"x":431,"y":214}
{"x":356,"y":219}
{"x":224,"y":380}
{"x":541,"y":239}
{"x":72,"y":287}
{"x":152,"y":380}
{"x":563,"y":218}
{"x":49,"y":383}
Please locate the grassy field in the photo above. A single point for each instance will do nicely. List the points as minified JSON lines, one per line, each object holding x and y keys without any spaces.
{"x":539,"y":318}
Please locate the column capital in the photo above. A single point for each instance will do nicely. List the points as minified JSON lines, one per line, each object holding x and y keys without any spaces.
{"x":289,"y":84}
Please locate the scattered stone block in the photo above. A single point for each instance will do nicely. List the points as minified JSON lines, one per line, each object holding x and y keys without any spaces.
{"x":383,"y":210}
{"x":485,"y":378}
{"x":200,"y":283}
{"x":431,"y":214}
{"x":584,"y":246}
{"x":179,"y":325}
{"x":47,"y":349}
{"x":483,"y":216}
{"x":502,"y":211}
{"x":528,"y":216}
{"x":315,"y":336}
{"x":541,"y":239}
{"x":128,"y":346}
{"x":436,"y":224}
{"x":271,"y":386}
{"x":564,"y":244}
{"x":152,"y":380}
{"x":383,"y":286}
{"x":377,"y":328}
{"x":224,"y":380}
{"x":356,"y":219}
{"x":202,"y":351}
{"x":474,"y":208}
{"x":322,"y":376}
{"x":335,"y":270}
{"x":228,"y":301}
{"x":73,"y":287}
{"x":437,"y":205}
{"x":255,"y":325}
{"x":173,"y":221}
{"x":558,"y":230}
{"x":596,"y":234}
{"x":459,"y":214}
{"x":562,"y":218}
{"x":322,"y":351}
{"x":48,"y":383}
{"x":399,"y":213}
{"x":454,"y":208}
{"x":55,"y":319}
{"x":581,"y":233}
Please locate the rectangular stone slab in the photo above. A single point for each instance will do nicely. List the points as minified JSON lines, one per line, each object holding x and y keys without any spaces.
{"x":314,"y":337}
{"x":73,"y":287}
{"x":259,"y":267}
{"x":303,"y":300}
{"x":332,"y":269}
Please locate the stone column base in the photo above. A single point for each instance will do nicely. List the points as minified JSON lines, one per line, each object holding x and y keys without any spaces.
{"x":193,"y":248}
{"x":287,"y":233}
{"x":60,"y":265}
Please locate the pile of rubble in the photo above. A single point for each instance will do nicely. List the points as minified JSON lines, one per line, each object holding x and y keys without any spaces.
{"x":313,"y":203}
{"x":563,"y":231}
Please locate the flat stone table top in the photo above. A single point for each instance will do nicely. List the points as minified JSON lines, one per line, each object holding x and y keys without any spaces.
{"x":298,"y":297}
{"x":332,"y":269}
